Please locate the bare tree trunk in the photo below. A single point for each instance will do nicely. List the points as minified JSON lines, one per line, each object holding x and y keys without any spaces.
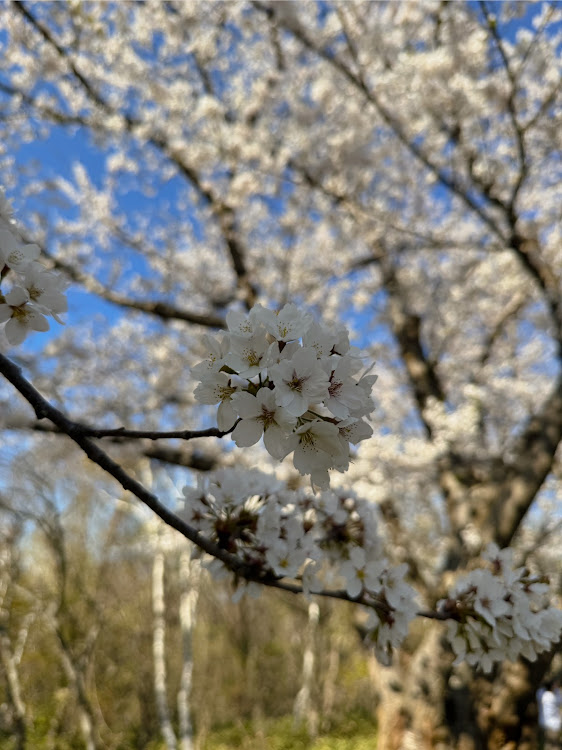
{"x":330,"y":681}
{"x":75,"y":676}
{"x":10,"y":654}
{"x":9,"y":665}
{"x":303,"y":708}
{"x":189,"y":574}
{"x":159,"y":649}
{"x":56,"y":719}
{"x":412,"y":713}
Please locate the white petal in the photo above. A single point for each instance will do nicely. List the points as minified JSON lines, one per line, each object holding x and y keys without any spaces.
{"x":354,"y":587}
{"x":15,"y":331}
{"x":38,"y":322}
{"x":17,"y":296}
{"x":247,"y":432}
{"x":226,"y":416}
{"x":246,"y":405}
{"x":5,"y":313}
{"x":276,"y":443}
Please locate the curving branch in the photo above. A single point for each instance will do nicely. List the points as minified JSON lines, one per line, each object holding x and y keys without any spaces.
{"x":44,"y":410}
{"x":167,"y":454}
{"x":121,"y":433}
{"x":406,"y":327}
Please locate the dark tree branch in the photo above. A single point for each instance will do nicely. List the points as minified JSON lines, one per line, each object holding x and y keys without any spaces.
{"x":167,"y":454}
{"x":510,"y":312}
{"x":528,"y":252}
{"x":535,"y":451}
{"x":159,"y":309}
{"x":518,"y":130}
{"x":406,"y":327}
{"x":44,"y":410}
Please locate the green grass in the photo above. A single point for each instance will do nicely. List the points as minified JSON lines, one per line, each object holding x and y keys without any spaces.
{"x":355,"y":732}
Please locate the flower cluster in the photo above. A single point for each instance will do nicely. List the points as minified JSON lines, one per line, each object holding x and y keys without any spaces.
{"x":328,"y":539}
{"x":499,"y":612}
{"x":294,"y":382}
{"x":35,"y":293}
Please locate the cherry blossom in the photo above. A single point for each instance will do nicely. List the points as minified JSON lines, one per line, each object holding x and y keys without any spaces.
{"x":219,"y":387}
{"x":260,"y":415}
{"x":21,"y":317}
{"x":14,"y":254}
{"x":300,"y":382}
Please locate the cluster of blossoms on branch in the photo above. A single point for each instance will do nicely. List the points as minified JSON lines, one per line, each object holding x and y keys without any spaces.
{"x":329,"y":541}
{"x":500,"y":612}
{"x":35,"y":292}
{"x":284,"y":376}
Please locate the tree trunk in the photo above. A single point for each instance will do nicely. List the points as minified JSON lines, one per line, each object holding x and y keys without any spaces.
{"x":159,"y":649}
{"x":9,"y":665}
{"x":74,"y":670}
{"x":189,"y":573}
{"x":304,"y":711}
{"x":426,"y":704}
{"x":330,"y":681}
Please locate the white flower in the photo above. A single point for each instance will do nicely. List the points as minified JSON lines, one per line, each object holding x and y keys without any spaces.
{"x":299,"y":382}
{"x":286,"y":325}
{"x":15,"y":255}
{"x":343,"y":393}
{"x":243,"y":325}
{"x":321,"y":339}
{"x":366,"y":383}
{"x":489,"y":600}
{"x":217,"y":351}
{"x":317,"y":447}
{"x":498,"y":614}
{"x":261,"y":416}
{"x":247,"y":354}
{"x":279,"y":352}
{"x":388,"y":629}
{"x":218,"y":387}
{"x":21,"y":317}
{"x":361,"y":574}
{"x":45,"y":290}
{"x":286,"y":555}
{"x":396,"y":590}
{"x":354,"y":430}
